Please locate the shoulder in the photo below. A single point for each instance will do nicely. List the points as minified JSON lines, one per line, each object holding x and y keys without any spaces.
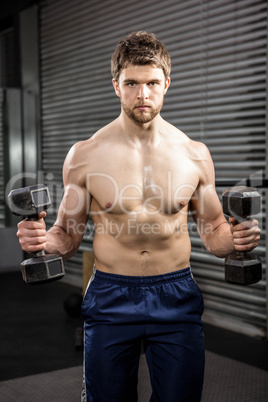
{"x":84,"y":155}
{"x":196,"y":150}
{"x":84,"y":151}
{"x":199,"y":155}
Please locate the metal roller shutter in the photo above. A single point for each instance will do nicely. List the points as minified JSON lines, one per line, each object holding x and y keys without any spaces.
{"x":7,"y":74}
{"x":2,"y":177}
{"x":217,"y":95}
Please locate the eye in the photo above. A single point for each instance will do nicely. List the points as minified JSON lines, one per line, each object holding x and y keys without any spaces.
{"x":131,"y":84}
{"x":152,"y":84}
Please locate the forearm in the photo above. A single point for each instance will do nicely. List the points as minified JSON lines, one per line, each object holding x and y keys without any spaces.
{"x":220,"y":241}
{"x":60,"y":242}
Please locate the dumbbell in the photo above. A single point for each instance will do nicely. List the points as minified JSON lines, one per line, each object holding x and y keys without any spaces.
{"x":29,"y":202}
{"x":242,"y":267}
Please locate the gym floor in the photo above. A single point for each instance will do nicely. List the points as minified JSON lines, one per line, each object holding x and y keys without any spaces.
{"x":40,"y":361}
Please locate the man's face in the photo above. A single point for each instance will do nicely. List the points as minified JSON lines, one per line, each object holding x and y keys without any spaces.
{"x":141,"y":90}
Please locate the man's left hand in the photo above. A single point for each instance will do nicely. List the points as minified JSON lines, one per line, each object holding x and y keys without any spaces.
{"x":246,"y":234}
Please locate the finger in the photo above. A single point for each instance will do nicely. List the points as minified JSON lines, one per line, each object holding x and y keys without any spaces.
{"x":42,"y":215}
{"x":31,"y":241}
{"x":247,"y":240}
{"x":33,"y":244}
{"x":250,"y":237}
{"x":31,"y":233}
{"x":232,"y":220}
{"x":31,"y":225}
{"x":246,"y":247}
{"x":253,"y":231}
{"x":33,"y":248}
{"x":245,"y":225}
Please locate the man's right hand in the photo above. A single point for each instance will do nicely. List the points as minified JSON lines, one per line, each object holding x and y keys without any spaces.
{"x":32,"y":234}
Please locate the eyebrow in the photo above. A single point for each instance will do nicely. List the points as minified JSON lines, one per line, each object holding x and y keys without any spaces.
{"x":128,"y":80}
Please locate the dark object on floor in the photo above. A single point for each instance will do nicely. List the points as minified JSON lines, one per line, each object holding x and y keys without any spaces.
{"x":79,"y":338}
{"x":72,"y":304}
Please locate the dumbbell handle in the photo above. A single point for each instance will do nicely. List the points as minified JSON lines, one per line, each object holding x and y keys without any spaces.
{"x":241,"y":254}
{"x":41,"y":253}
{"x":32,"y":218}
{"x":35,"y":218}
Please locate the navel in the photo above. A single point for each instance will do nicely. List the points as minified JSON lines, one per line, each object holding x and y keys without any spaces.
{"x":145,"y":253}
{"x":145,"y":260}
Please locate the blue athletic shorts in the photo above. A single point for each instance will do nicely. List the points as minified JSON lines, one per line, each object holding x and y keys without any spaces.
{"x":164,"y":313}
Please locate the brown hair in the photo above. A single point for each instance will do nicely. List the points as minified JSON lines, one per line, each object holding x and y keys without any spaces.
{"x":140,"y":48}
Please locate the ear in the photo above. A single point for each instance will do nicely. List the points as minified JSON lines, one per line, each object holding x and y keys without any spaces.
{"x":167,"y":84}
{"x":116,"y":87}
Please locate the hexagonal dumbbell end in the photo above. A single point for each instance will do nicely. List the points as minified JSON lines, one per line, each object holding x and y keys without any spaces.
{"x":241,"y":267}
{"x":241,"y":202}
{"x":42,"y":269}
{"x":29,"y":201}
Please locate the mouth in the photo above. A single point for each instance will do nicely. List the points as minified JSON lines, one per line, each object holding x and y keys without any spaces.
{"x":142,"y":107}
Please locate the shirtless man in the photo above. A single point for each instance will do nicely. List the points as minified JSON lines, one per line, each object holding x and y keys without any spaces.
{"x":141,"y":177}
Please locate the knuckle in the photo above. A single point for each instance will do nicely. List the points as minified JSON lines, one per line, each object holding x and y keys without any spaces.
{"x":24,"y":246}
{"x":40,"y":240}
{"x":19,"y":224}
{"x":21,"y":242}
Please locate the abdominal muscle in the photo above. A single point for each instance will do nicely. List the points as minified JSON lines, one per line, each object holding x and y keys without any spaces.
{"x":141,"y":245}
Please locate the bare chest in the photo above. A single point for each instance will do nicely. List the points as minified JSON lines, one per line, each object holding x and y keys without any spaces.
{"x":149,"y":185}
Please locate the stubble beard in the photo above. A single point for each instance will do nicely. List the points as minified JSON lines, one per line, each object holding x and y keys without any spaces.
{"x":140,"y":116}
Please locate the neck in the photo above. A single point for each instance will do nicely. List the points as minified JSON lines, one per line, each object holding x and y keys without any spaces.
{"x":141,"y":133}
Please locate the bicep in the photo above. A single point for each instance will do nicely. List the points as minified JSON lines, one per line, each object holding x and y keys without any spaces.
{"x":74,"y":208}
{"x":205,"y":205}
{"x":73,"y":213}
{"x":206,"y":209}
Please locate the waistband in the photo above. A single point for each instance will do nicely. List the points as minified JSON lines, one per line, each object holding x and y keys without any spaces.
{"x":143,"y":280}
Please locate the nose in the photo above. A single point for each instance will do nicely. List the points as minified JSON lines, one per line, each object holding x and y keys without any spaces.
{"x":143,"y":92}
